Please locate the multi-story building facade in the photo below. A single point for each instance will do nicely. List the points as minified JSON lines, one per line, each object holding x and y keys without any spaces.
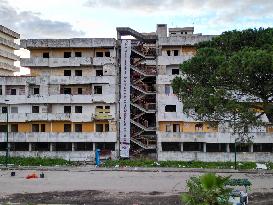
{"x":7,"y":48}
{"x":76,"y":101}
{"x":67,"y":106}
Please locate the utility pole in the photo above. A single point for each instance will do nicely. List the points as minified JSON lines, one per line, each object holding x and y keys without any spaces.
{"x":7,"y":133}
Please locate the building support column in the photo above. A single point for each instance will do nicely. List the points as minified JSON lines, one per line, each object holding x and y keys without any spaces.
{"x":30,"y":147}
{"x":181,"y":147}
{"x":204,"y":147}
{"x":73,"y":146}
{"x":94,"y":146}
{"x":51,"y":146}
{"x":159,"y":146}
{"x":227,"y":147}
{"x":251,"y":147}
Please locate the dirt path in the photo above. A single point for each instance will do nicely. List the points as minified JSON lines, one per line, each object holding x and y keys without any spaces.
{"x":109,"y":198}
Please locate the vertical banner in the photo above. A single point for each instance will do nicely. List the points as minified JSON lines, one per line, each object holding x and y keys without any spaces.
{"x":125,"y":98}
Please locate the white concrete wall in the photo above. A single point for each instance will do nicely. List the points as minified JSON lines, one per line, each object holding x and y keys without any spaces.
{"x":60,"y":137}
{"x":216,"y":156}
{"x":67,"y":155}
{"x":211,"y":137}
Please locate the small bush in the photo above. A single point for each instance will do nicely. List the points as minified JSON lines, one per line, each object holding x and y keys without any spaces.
{"x":34,"y":161}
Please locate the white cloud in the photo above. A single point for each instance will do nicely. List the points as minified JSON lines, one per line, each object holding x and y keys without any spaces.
{"x":31,"y":25}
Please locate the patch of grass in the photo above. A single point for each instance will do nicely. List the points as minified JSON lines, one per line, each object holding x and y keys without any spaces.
{"x":182,"y":164}
{"x":34,"y":161}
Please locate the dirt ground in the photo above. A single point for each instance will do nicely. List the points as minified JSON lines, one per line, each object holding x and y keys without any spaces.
{"x":108,"y":198}
{"x":82,"y":186}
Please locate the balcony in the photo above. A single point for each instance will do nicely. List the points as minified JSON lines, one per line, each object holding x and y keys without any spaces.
{"x":211,"y":137}
{"x":68,"y":43}
{"x":185,"y":40}
{"x":103,"y":114}
{"x":98,"y":61}
{"x":67,"y":80}
{"x":61,"y":98}
{"x":56,"y":62}
{"x":27,"y":117}
{"x":173,"y":60}
{"x":60,"y":137}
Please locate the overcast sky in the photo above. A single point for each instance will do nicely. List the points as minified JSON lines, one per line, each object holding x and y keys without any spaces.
{"x":99,"y":18}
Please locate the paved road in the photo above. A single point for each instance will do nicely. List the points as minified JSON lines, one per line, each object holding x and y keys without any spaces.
{"x":117,"y":181}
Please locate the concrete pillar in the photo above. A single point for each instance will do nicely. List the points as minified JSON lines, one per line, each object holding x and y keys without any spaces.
{"x":51,"y":147}
{"x":227,"y":147}
{"x":159,"y":147}
{"x":181,"y":147}
{"x":30,"y":147}
{"x":251,"y":147}
{"x":3,"y":89}
{"x":94,"y":146}
{"x":73,"y":146}
{"x":117,"y":146}
{"x":204,"y":147}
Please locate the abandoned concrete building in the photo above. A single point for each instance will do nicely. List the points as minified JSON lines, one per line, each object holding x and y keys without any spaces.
{"x":114,"y":95}
{"x":7,"y":47}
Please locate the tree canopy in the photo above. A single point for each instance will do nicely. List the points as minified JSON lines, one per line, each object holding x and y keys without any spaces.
{"x":230,"y":78}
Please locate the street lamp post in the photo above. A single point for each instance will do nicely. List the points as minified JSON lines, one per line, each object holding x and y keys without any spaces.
{"x":7,"y":133}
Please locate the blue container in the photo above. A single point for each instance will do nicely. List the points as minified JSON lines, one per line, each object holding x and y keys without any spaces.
{"x":97,"y":156}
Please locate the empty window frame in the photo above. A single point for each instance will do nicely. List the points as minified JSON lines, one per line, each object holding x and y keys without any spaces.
{"x":35,"y":128}
{"x":67,"y":109}
{"x":102,"y":127}
{"x":175,"y":71}
{"x":43,"y":128}
{"x":176,"y":127}
{"x":199,"y":127}
{"x":78,"y":127}
{"x":67,"y":54}
{"x":14,"y":127}
{"x":83,"y":146}
{"x":193,"y":146}
{"x":78,"y":109}
{"x":19,"y":146}
{"x":40,"y":146}
{"x":35,"y":109}
{"x":78,"y":72}
{"x":67,"y":91}
{"x":170,"y":108}
{"x":168,"y":52}
{"x":67,"y":127}
{"x":46,"y":55}
{"x":67,"y":72}
{"x":171,"y":146}
{"x":79,"y":91}
{"x":97,"y":89}
{"x":78,"y":54}
{"x":14,"y":109}
{"x":13,"y":91}
{"x":167,"y":89}
{"x":175,"y":52}
{"x":36,"y":91}
{"x":107,"y":54}
{"x":99,"y":54}
{"x":99,"y":72}
{"x":1,"y":92}
{"x":63,"y":146}
{"x":4,"y":109}
{"x":3,"y":127}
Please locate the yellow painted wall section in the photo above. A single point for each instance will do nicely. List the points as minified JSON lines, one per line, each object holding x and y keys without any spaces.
{"x":88,"y":127}
{"x":188,"y":49}
{"x":188,"y":127}
{"x":59,"y":126}
{"x":24,"y":127}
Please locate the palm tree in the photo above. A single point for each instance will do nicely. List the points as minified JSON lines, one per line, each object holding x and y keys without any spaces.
{"x":208,"y":189}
